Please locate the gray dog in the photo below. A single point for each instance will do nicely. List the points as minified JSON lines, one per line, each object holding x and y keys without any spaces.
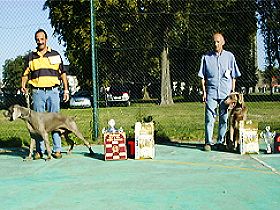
{"x":42,"y":123}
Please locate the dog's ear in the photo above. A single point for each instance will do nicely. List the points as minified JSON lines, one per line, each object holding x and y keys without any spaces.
{"x":16,"y":113}
{"x":228,"y":99}
{"x":231,"y":98}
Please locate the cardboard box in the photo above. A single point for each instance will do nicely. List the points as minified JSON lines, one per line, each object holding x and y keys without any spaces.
{"x":115,"y":146}
{"x":144,"y":140}
{"x":248,"y":137}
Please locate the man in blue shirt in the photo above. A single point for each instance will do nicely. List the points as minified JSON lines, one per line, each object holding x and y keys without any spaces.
{"x":218,"y":73}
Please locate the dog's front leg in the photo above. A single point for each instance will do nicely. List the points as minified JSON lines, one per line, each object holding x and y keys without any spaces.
{"x":231,"y":133}
{"x":47,"y":144}
{"x":32,"y":142}
{"x":231,"y":137}
{"x":31,"y":147}
{"x":236,"y":135}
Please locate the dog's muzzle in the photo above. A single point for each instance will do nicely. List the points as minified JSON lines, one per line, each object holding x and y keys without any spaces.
{"x":8,"y":115}
{"x":232,"y":105}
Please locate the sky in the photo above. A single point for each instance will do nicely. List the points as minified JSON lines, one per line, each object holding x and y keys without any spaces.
{"x":20,"y":19}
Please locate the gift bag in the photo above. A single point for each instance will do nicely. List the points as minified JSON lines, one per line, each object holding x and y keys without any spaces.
{"x":248,"y":137}
{"x":144,"y":140}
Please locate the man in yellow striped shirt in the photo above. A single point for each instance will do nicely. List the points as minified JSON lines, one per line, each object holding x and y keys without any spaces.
{"x":44,"y":72}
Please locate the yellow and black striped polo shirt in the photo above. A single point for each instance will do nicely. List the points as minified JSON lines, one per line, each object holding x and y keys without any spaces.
{"x":44,"y":70}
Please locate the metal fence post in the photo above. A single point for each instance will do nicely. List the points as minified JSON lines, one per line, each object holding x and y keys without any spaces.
{"x":94,"y":73}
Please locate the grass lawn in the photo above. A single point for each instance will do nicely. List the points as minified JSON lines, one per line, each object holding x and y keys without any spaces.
{"x":183,"y":122}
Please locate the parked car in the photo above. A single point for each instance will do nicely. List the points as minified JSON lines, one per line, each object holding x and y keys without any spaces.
{"x":81,"y":99}
{"x":118,"y":94}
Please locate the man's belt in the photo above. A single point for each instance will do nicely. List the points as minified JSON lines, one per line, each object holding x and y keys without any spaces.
{"x":46,"y":88}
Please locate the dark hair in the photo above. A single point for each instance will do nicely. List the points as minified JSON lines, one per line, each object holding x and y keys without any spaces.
{"x":41,"y":30}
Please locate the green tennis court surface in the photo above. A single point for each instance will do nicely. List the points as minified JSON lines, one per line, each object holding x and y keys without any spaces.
{"x":180,"y":177}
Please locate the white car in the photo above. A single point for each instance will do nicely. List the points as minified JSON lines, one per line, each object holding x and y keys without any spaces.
{"x":81,"y":99}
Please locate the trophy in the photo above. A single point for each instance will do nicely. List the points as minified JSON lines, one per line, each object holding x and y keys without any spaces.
{"x":112,"y":128}
{"x":268,"y":138}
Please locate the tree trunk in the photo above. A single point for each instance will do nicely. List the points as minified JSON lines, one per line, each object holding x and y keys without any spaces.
{"x":166,"y":89}
{"x":146,"y":94}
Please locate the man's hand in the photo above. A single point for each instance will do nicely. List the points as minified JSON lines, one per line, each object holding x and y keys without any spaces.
{"x":204,"y":97}
{"x":24,"y":80}
{"x":203,"y":90}
{"x":24,"y":90}
{"x":66,"y":95}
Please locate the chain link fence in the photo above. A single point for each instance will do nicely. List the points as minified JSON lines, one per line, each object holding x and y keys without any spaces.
{"x":130,"y":47}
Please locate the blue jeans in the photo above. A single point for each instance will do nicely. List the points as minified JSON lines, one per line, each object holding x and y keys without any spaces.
{"x":47,"y":100}
{"x":210,"y":116}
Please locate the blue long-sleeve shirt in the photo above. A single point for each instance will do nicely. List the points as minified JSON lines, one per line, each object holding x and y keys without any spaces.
{"x":218,"y":72}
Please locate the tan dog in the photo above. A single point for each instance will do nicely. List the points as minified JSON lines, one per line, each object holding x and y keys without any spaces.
{"x":237,"y":112}
{"x":42,"y":123}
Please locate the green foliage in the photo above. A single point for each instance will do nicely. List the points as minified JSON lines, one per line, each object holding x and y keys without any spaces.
{"x":71,"y":20}
{"x":236,"y":20}
{"x":12,"y":72}
{"x":130,"y":36}
{"x":269,"y":15}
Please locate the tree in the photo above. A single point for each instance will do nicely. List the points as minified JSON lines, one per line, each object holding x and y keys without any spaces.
{"x":147,"y":28}
{"x":73,"y":29}
{"x":269,"y":16}
{"x":241,"y":33}
{"x":236,"y":20}
{"x":117,"y":22}
{"x":170,"y":23}
{"x":12,"y":73}
{"x":133,"y":37}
